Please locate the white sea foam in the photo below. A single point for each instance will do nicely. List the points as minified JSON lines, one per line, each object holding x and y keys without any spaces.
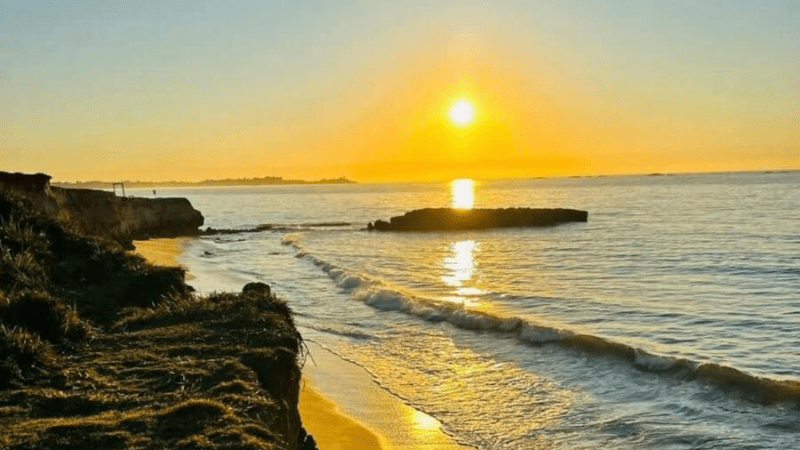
{"x":386,"y":300}
{"x":654,"y":362}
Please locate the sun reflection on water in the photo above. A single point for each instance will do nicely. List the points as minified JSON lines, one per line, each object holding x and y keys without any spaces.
{"x":423,"y":423}
{"x":463,"y":191}
{"x":460,"y":269}
{"x":461,"y":265}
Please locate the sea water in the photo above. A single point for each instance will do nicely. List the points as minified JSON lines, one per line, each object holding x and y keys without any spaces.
{"x":671,"y":319}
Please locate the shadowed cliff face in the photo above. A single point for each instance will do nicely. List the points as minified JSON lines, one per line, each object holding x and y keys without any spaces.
{"x":101,"y":213}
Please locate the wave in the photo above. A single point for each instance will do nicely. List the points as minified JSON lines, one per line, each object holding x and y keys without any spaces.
{"x":379,"y":295}
{"x":346,"y":333}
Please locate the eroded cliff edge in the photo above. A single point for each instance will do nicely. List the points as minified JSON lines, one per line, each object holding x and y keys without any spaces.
{"x":101,"y":349}
{"x":102,"y":213}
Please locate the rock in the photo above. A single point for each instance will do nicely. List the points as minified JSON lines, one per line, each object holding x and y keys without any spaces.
{"x":306,"y":441}
{"x":23,"y":182}
{"x":256,"y":289}
{"x":381,"y":225}
{"x":444,"y":219}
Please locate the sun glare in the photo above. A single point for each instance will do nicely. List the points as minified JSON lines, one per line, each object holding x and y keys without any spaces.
{"x":463,"y":193}
{"x":462,"y":112}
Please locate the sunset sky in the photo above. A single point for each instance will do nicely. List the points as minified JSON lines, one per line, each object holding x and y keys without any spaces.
{"x":191,"y":90}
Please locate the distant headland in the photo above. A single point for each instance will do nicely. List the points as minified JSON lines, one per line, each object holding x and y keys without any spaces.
{"x":209,"y":183}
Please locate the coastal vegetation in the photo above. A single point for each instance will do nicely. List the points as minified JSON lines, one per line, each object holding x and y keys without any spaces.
{"x":101,"y":349}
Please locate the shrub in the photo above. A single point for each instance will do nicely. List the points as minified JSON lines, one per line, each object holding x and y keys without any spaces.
{"x":21,"y":270}
{"x":21,"y":354}
{"x":48,"y":317}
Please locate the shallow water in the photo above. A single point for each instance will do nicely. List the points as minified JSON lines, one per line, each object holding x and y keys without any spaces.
{"x":669,"y":320}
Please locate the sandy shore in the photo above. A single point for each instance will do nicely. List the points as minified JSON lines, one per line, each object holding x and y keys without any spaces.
{"x":331,"y":429}
{"x":162,"y":251}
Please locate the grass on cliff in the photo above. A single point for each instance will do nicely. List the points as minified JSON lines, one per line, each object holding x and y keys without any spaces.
{"x":97,"y":277}
{"x":57,"y":286}
{"x":243,"y":316}
{"x":23,"y":355}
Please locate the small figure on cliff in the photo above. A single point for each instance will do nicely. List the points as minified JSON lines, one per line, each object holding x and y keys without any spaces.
{"x":154,"y":192}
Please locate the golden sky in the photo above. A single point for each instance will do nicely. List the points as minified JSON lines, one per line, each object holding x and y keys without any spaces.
{"x":198,"y":90}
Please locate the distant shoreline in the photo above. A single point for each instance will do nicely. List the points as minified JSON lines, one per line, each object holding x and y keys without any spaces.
{"x":279,"y":181}
{"x":205,"y":183}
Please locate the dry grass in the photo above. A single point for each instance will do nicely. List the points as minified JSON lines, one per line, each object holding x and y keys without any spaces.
{"x":48,"y":317}
{"x":23,"y":356}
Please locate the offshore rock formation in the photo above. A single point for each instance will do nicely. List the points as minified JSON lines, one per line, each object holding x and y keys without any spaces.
{"x":101,"y":349}
{"x":446,"y":219}
{"x":101,"y":213}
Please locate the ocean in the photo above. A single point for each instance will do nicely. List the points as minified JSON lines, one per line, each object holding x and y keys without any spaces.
{"x":670,"y":320}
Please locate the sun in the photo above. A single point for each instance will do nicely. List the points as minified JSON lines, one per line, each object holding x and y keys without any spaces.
{"x":462,"y":113}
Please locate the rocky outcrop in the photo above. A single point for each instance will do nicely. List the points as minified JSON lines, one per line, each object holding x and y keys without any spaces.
{"x":444,"y":219}
{"x":103,"y":213}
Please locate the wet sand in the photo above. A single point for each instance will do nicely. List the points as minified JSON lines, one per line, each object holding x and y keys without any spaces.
{"x":331,"y":429}
{"x":356,"y":394}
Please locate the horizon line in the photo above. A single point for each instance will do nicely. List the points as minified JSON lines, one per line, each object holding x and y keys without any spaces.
{"x":345,"y":180}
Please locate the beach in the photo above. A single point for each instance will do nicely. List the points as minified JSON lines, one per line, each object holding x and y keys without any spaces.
{"x":340,"y":404}
{"x":162,"y":251}
{"x":350,"y":389}
{"x":331,"y":429}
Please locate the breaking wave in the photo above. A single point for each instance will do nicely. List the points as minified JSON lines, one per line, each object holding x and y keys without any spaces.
{"x":381,"y":296}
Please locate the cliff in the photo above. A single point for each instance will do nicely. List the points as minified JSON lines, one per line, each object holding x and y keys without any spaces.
{"x":102,"y":213}
{"x":445,"y":219}
{"x":101,"y":349}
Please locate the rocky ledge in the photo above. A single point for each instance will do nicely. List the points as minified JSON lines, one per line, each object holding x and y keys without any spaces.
{"x":101,"y":213}
{"x":446,"y":219}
